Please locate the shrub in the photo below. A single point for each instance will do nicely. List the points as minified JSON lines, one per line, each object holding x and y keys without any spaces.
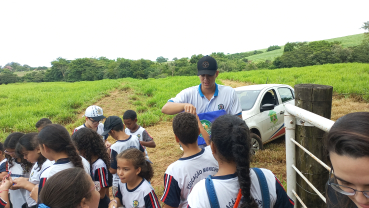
{"x":273,"y":47}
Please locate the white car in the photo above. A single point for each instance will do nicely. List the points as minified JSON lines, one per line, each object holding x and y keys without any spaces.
{"x":263,"y":111}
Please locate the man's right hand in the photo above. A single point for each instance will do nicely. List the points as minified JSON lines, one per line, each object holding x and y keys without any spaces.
{"x":189,"y":108}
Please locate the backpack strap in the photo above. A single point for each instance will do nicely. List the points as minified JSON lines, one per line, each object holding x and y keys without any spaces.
{"x":263,"y":187}
{"x":212,"y":195}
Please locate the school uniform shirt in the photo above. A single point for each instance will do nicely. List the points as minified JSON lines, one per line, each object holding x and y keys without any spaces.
{"x":3,"y":164}
{"x":224,"y":98}
{"x":17,"y":197}
{"x":35,"y":179}
{"x":141,"y":196}
{"x":118,"y":147}
{"x":182,"y":175}
{"x":2,"y":203}
{"x":99,"y":173}
{"x":227,"y":187}
{"x":58,"y":166}
{"x":142,"y":135}
{"x":100,"y":130}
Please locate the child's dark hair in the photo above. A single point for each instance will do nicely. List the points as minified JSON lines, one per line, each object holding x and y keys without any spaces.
{"x":11,"y":143}
{"x":231,"y":137}
{"x":118,"y":127}
{"x":1,"y":147}
{"x":138,"y":161}
{"x":57,"y":138}
{"x":88,"y":142}
{"x":349,"y":136}
{"x":29,"y":142}
{"x":66,"y":188}
{"x":130,"y":114}
{"x":43,"y":122}
{"x":186,"y":128}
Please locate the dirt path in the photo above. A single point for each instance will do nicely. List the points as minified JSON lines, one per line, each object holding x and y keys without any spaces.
{"x":167,"y":150}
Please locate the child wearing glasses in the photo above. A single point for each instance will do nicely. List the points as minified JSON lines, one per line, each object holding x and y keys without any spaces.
{"x":91,"y":147}
{"x":348,"y":152}
{"x":134,"y":189}
{"x":93,"y":116}
{"x":70,"y":188}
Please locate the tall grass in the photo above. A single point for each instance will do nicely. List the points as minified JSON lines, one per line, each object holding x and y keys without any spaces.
{"x":23,"y":104}
{"x":348,"y":78}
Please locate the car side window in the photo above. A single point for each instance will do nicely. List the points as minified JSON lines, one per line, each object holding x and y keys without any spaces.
{"x":270,"y":98}
{"x":286,"y":94}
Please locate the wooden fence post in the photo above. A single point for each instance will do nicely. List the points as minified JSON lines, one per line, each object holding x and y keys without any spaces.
{"x":316,"y":99}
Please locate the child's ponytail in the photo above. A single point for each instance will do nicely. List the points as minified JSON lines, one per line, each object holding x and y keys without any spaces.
{"x":73,"y":155}
{"x":57,"y":138}
{"x":231,"y":138}
{"x":241,"y":154}
{"x":138,"y":160}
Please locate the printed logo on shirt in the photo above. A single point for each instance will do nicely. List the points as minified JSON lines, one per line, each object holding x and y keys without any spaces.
{"x":139,"y":136}
{"x":207,"y":126}
{"x":220,"y":107}
{"x":135,"y":203}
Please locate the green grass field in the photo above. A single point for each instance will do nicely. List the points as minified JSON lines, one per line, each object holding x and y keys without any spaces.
{"x":347,"y":41}
{"x":348,"y":78}
{"x":23,"y":104}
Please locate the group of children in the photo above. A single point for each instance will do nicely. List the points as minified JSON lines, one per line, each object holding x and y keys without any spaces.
{"x":40,"y":167}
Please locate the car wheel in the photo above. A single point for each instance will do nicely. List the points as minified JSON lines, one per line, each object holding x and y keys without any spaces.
{"x":256,"y":143}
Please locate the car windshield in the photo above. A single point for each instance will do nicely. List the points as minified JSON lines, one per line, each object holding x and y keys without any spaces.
{"x":247,"y":98}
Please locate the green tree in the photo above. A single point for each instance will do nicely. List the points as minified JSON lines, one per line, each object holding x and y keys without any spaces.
{"x":195,"y":58}
{"x":7,"y":76}
{"x":273,"y":47}
{"x":59,"y":69}
{"x":161,"y":59}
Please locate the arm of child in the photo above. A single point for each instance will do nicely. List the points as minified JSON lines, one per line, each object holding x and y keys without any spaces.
{"x":34,"y":193}
{"x":101,"y":177}
{"x":167,"y":206}
{"x":23,"y":183}
{"x":2,"y":174}
{"x":115,"y":203}
{"x":147,"y":140}
{"x":151,"y":200}
{"x":4,"y":191}
{"x":113,"y":161}
{"x":203,"y":132}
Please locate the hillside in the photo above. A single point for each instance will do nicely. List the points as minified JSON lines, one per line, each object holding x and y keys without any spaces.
{"x":346,"y":41}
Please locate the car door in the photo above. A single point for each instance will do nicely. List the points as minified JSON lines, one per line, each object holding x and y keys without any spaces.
{"x":271,"y":121}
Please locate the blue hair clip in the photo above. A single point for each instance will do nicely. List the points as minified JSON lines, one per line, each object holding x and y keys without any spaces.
{"x":43,"y":206}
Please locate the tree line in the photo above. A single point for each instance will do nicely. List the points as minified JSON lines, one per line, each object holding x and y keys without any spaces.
{"x":295,"y":54}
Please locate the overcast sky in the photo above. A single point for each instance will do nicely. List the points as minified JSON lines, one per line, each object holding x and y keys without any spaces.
{"x":37,"y":32}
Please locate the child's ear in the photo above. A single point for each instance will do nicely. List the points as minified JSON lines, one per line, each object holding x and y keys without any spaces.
{"x":138,"y":170}
{"x":83,"y":203}
{"x":213,"y":148}
{"x":177,"y":140}
{"x":135,"y":120}
{"x":38,"y":149}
